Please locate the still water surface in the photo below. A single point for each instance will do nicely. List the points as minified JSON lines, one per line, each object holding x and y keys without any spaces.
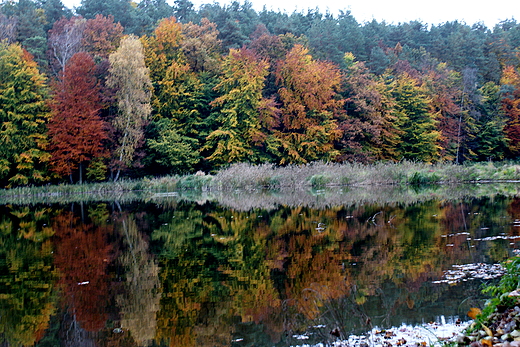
{"x":198,"y":273}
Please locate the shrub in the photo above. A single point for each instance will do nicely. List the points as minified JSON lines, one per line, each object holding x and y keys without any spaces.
{"x":423,"y":178}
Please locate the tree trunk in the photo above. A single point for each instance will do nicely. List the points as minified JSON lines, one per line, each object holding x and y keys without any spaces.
{"x":81,"y":173}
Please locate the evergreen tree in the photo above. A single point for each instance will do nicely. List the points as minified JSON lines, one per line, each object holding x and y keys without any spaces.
{"x":487,"y":140}
{"x":122,"y":10}
{"x":30,"y":28}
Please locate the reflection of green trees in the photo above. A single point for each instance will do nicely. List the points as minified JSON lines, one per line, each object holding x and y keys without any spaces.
{"x":139,"y":300}
{"x":26,"y":275}
{"x":394,"y":243}
{"x":189,"y":274}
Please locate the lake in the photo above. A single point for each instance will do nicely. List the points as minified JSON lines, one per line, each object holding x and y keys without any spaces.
{"x":248,"y":268}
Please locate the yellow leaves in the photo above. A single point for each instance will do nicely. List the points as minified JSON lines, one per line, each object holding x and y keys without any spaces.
{"x":168,"y":33}
{"x":510,"y":76}
{"x":487,"y":330}
{"x":487,"y":342}
{"x":473,"y":313}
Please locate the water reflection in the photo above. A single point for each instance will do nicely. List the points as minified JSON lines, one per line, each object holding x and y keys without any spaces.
{"x":200,"y":274}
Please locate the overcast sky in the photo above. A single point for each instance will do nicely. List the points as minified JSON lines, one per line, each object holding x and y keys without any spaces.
{"x":394,"y":11}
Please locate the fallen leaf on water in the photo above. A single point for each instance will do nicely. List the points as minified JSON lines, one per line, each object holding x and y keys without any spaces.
{"x":474,"y":312}
{"x":486,"y":342}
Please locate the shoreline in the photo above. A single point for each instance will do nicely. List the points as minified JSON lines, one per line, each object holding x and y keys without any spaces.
{"x":429,"y":334}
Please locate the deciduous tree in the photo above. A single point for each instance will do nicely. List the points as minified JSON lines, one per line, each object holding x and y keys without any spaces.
{"x":419,"y":139}
{"x":368,"y":129}
{"x":131,"y":78}
{"x":511,"y":106}
{"x":76,"y":129}
{"x":201,"y":46}
{"x":65,"y":39}
{"x":7,"y":28}
{"x":101,"y":35}
{"x":238,"y":137}
{"x":309,"y":107}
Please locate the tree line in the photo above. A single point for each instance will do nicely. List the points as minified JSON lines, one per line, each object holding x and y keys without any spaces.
{"x":116,"y":88}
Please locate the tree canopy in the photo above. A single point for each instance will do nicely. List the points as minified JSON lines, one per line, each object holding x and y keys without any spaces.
{"x":191,"y":89}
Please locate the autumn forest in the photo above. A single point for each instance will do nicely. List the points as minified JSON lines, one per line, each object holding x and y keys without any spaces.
{"x":117,"y":89}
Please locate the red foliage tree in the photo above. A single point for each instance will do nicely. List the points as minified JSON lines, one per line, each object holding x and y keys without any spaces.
{"x":101,"y":35}
{"x":76,"y":130}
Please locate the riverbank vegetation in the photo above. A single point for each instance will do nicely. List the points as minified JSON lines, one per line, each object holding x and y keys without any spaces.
{"x":219,"y":85}
{"x":388,"y":179}
{"x":498,"y":324}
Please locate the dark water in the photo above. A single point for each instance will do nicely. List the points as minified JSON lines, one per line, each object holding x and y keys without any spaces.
{"x":176,"y":273}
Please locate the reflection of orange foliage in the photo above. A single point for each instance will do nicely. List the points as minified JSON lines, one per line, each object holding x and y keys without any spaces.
{"x":514,"y":209}
{"x":311,"y":257}
{"x":454,"y":217}
{"x":82,"y":255}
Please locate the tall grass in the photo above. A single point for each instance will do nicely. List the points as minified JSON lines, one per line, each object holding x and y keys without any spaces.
{"x":317,"y":176}
{"x":320,"y":175}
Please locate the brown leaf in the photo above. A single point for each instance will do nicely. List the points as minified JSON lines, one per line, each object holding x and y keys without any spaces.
{"x":474,"y":312}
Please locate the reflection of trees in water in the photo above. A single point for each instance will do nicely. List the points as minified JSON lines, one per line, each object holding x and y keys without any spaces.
{"x":82,"y":256}
{"x":72,"y":334}
{"x":269,"y":267}
{"x":226,"y":274}
{"x":27,"y":279}
{"x":139,"y":301}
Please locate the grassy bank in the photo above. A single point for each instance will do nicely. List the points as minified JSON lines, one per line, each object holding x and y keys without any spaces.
{"x":254,"y":177}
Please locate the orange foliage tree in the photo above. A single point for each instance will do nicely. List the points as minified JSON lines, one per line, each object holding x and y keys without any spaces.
{"x":309,"y":106}
{"x":101,"y":35}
